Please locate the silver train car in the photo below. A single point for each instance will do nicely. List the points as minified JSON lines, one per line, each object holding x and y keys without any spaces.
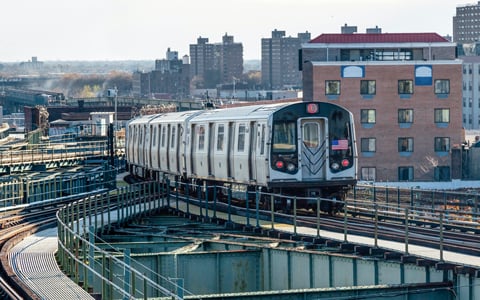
{"x":304,"y":149}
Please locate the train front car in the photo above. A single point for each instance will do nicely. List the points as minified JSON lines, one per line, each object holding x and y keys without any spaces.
{"x":313,"y":153}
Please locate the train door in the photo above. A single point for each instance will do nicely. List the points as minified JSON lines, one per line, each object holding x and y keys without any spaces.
{"x":181,"y":149}
{"x":141,"y":152}
{"x":261,"y":165}
{"x":198,"y":150}
{"x":220,"y":152}
{"x":211,"y":141}
{"x":163,"y":148}
{"x":313,"y":148}
{"x":167,"y":147}
{"x":230,"y":154}
{"x":241,"y":149}
{"x":252,"y":152}
{"x":154,"y":147}
{"x":148,"y":146}
{"x":173,"y":149}
{"x":157,"y":145}
{"x":132,"y":144}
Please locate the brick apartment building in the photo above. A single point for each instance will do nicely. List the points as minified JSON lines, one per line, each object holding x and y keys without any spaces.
{"x":213,"y":64}
{"x":405,"y":91}
{"x":280,"y":60}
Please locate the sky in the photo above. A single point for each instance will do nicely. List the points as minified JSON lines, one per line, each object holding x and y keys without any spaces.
{"x":66,"y":30}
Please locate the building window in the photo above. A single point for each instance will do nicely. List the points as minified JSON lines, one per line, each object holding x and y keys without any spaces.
{"x":442,"y":144}
{"x":332,"y":87}
{"x":367,"y":87}
{"x":405,"y":115}
{"x":367,"y":116}
{"x":368,"y":173}
{"x":442,"y":86}
{"x":405,"y":144}
{"x":405,"y":173}
{"x":442,"y":115}
{"x":442,"y":173}
{"x":405,"y":86}
{"x":368,"y":144}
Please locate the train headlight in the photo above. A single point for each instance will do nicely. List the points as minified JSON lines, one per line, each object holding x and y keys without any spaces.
{"x":335,"y":166}
{"x":291,"y":167}
{"x":345,"y":163}
{"x":279,"y":164}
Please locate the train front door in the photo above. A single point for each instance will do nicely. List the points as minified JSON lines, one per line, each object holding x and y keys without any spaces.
{"x":313,"y":148}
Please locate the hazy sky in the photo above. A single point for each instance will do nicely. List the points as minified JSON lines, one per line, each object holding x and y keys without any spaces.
{"x":144,"y":29}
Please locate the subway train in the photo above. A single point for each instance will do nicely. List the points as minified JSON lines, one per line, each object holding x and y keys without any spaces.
{"x":302,"y":149}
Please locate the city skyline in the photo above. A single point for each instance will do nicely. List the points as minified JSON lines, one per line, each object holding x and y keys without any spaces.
{"x":55,"y":30}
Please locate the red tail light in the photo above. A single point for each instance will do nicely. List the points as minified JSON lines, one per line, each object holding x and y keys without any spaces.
{"x":279,"y":164}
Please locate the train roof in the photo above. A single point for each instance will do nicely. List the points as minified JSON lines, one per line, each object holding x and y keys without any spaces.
{"x":241,"y":112}
{"x":168,"y":116}
{"x":172,"y":117}
{"x":141,"y":119}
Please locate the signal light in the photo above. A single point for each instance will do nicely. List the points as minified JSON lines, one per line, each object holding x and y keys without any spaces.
{"x":291,"y":167}
{"x":279,"y":164}
{"x":312,"y":108}
{"x":345,"y":163}
{"x":335,"y":166}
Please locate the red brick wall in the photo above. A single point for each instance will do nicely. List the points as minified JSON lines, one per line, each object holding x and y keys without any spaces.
{"x":386,"y":102}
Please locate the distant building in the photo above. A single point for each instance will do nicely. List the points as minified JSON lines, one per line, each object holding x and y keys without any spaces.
{"x":466,"y":25}
{"x":213,"y":64}
{"x":32,"y":65}
{"x":230,"y":59}
{"x":169,"y":80}
{"x":405,"y":91}
{"x":141,"y":84}
{"x":280,"y":60}
{"x":471,"y":92}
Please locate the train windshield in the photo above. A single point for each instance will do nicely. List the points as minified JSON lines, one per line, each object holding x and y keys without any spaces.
{"x":284,"y":137}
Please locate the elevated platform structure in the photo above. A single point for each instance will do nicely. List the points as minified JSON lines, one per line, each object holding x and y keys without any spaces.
{"x":208,"y":255}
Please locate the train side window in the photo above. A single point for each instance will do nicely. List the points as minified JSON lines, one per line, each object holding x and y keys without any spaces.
{"x":241,"y":138}
{"x":140,"y":136}
{"x":172,"y":141}
{"x":311,"y":135}
{"x":201,"y":137}
{"x":220,"y":137}
{"x":164,"y":135}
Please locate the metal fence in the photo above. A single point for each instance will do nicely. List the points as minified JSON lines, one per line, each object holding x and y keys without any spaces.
{"x":120,"y":276}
